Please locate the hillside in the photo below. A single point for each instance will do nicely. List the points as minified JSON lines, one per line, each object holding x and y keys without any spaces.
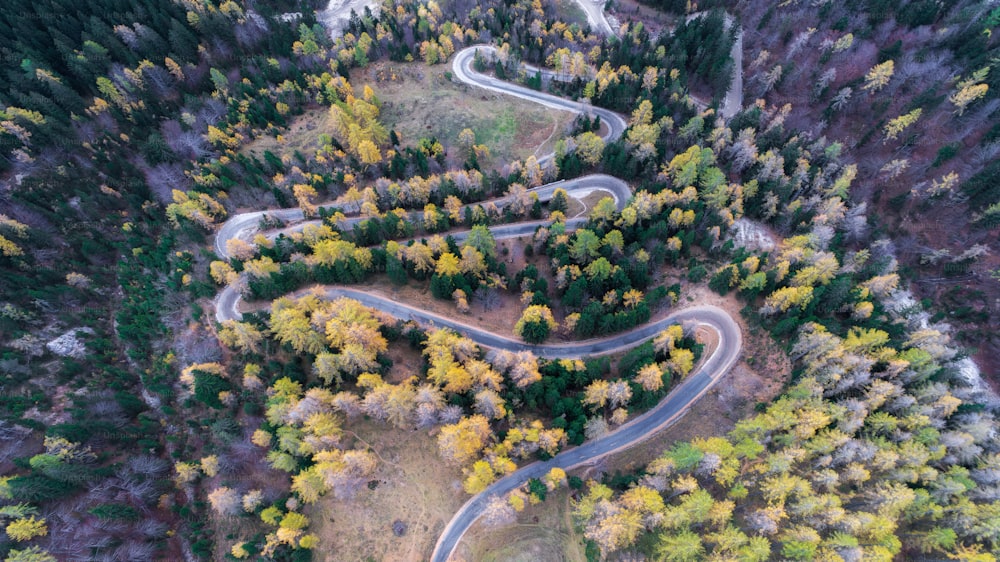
{"x":282,"y":284}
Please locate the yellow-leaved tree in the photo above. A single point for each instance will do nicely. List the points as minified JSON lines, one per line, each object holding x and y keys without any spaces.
{"x":879,"y":75}
{"x":460,"y":442}
{"x":897,"y":125}
{"x":27,"y":528}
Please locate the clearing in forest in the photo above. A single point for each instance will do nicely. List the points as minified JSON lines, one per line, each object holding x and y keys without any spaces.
{"x":420,"y":101}
{"x":403,"y":491}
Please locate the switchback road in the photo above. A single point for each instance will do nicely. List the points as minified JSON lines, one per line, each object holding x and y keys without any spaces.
{"x":244,"y":225}
{"x":462,"y":69}
{"x":717,"y":364}
{"x":669,"y":410}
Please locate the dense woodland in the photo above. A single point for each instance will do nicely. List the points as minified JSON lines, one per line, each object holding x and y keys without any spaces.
{"x":121,"y":128}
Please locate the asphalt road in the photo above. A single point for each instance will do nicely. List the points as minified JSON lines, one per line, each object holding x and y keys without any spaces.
{"x":462,"y":69}
{"x":595,"y":16}
{"x":733,"y":101}
{"x":244,"y":225}
{"x":227,"y":302}
{"x":665,"y":413}
{"x":669,"y":410}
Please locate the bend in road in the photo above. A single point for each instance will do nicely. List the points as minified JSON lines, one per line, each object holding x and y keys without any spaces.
{"x":669,"y":410}
{"x":462,"y":70}
{"x":596,"y":17}
{"x":241,"y":226}
{"x":665,"y":413}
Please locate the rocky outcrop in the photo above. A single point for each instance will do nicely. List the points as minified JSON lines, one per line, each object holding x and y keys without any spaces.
{"x":69,"y":345}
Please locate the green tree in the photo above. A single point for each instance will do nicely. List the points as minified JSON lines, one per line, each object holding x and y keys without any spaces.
{"x":482,"y":239}
{"x":536,"y":324}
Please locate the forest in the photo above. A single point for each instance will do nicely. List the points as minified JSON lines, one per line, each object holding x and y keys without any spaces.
{"x":169,"y":390}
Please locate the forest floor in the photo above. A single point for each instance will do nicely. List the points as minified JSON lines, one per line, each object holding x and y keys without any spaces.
{"x":542,"y":532}
{"x":302,"y":135}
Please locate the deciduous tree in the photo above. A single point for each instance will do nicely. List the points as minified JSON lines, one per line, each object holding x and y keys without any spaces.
{"x":462,"y":441}
{"x":26,"y":528}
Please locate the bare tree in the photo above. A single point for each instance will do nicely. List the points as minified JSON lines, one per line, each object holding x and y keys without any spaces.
{"x":450,"y":414}
{"x":164,"y":178}
{"x":842,"y":98}
{"x":498,"y":512}
{"x":823,"y":81}
{"x":426,"y":415}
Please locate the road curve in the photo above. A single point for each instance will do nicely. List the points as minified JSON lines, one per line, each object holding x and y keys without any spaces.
{"x":669,"y":410}
{"x":722,"y":358}
{"x":462,"y":69}
{"x":227,"y":303}
{"x":596,"y":17}
{"x":244,"y":225}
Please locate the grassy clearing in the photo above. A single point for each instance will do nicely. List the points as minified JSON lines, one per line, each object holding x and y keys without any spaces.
{"x":500,"y":320}
{"x":420,"y":101}
{"x":581,"y":207}
{"x":302,"y":136}
{"x":542,"y":532}
{"x":571,"y":12}
{"x":413,"y":486}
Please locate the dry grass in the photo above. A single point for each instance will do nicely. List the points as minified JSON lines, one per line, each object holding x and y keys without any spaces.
{"x":418,"y":295}
{"x":414,"y":486}
{"x":542,"y":532}
{"x":302,"y":136}
{"x":571,"y":12}
{"x":575,"y":207}
{"x":590,"y":201}
{"x":406,"y":362}
{"x":420,"y":101}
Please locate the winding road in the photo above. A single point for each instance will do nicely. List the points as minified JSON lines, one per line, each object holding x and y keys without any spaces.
{"x":669,"y":410}
{"x":672,"y":407}
{"x":244,"y":225}
{"x":462,"y":69}
{"x":596,"y":16}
